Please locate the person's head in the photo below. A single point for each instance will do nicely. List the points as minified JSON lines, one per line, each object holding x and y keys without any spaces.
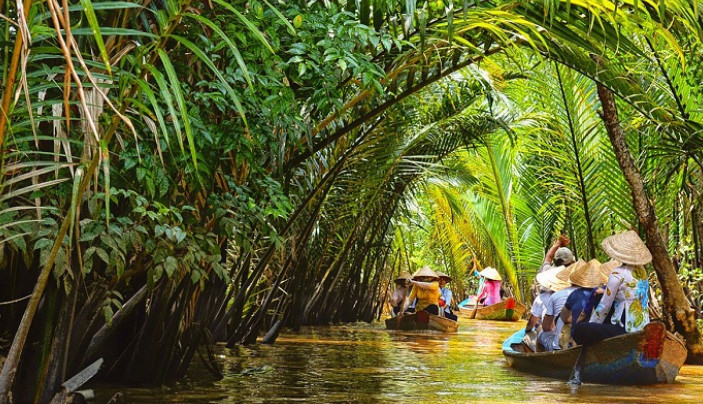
{"x":491,"y":273}
{"x":552,"y":280}
{"x":426,"y":274}
{"x":627,"y":248}
{"x":587,"y":276}
{"x":444,"y":279}
{"x":563,"y":256}
{"x":403,"y":279}
{"x":607,"y":267}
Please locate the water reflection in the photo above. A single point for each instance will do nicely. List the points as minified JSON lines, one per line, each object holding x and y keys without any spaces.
{"x":365,"y":363}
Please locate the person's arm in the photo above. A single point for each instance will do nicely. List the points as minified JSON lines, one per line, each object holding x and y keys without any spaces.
{"x":396,"y":297}
{"x":548,"y":323}
{"x":448,"y":300}
{"x":550,"y":253}
{"x":562,"y":241}
{"x":606,"y":302}
{"x":407,"y":301}
{"x":426,"y":285}
{"x":484,"y":292}
{"x":531,"y":323}
{"x":565,"y":315}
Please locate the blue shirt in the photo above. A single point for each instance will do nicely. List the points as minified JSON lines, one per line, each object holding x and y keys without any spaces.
{"x":576,"y":302}
{"x":446,"y":295}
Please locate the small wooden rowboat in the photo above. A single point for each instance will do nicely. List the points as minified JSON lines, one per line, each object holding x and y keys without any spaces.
{"x":650,"y":356}
{"x":499,"y":311}
{"x":424,"y":321}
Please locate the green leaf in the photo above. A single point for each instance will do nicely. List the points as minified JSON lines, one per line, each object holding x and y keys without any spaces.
{"x":195,"y":275}
{"x":180,"y":100}
{"x":168,"y":99}
{"x":254,"y":30}
{"x":103,"y":255}
{"x":232,"y":47}
{"x":42,"y":243}
{"x":170,"y":265}
{"x":93,"y":21}
{"x":201,"y":55}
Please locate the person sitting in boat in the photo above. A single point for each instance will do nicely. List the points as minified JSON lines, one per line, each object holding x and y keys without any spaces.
{"x":425,"y":285}
{"x":445,"y":298}
{"x":627,"y":292}
{"x":490,"y":294}
{"x":402,"y":285}
{"x":587,"y":278}
{"x":558,"y":255}
{"x":548,"y":337}
{"x":549,"y":284}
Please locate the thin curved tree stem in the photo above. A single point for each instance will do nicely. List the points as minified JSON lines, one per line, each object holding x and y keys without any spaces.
{"x":579,"y":167}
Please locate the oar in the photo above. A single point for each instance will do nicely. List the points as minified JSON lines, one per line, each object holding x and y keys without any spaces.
{"x":575,"y":378}
{"x":473,"y":312}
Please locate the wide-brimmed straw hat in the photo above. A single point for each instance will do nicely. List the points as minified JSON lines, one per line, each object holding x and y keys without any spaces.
{"x":405,"y":276}
{"x":445,"y":276}
{"x":565,"y":274}
{"x":607,"y":267}
{"x":565,"y":255}
{"x":549,"y":279}
{"x":425,"y":272}
{"x":627,"y":248}
{"x":491,"y":273}
{"x":588,"y":276}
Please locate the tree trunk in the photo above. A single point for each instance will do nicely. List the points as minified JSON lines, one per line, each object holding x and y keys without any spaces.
{"x":677,"y":313}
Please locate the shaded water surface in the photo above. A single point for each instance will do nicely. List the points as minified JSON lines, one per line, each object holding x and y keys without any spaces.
{"x":365,"y":363}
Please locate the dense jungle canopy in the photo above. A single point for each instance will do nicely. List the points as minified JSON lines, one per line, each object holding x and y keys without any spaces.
{"x":176,"y":173}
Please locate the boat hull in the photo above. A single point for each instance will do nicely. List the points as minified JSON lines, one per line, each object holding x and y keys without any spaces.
{"x":409,"y":322}
{"x":496,"y":312}
{"x":650,"y":356}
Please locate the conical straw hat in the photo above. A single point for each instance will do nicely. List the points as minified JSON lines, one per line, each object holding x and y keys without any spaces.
{"x":425,"y":271}
{"x":607,"y":267}
{"x":443,"y":275}
{"x":564,"y":274}
{"x":627,"y":248}
{"x":490,"y":273}
{"x":405,"y":276}
{"x":549,"y":279}
{"x":588,"y":276}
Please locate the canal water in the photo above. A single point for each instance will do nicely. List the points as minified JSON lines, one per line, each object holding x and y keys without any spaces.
{"x":364,"y":363}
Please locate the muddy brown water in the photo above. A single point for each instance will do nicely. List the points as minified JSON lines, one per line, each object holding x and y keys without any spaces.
{"x":366,"y":364}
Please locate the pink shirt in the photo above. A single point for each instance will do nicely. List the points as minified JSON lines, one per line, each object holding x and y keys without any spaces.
{"x":491,"y":290}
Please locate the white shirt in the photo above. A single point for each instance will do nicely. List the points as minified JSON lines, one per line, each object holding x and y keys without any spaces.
{"x":539,"y":306}
{"x":554,"y":306}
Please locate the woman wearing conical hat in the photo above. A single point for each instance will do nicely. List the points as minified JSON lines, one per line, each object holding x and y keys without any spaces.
{"x":626,"y":293}
{"x":491,"y":287}
{"x":402,"y":284}
{"x":425,"y":284}
{"x":587,"y":278}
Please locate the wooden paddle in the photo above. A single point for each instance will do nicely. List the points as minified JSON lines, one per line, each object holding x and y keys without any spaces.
{"x":575,"y":378}
{"x":473,"y":312}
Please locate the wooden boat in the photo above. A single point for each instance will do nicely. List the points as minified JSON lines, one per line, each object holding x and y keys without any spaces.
{"x":498,"y":311}
{"x":425,"y":321}
{"x":650,"y":356}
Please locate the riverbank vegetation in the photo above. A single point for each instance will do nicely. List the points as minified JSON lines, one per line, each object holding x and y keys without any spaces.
{"x":176,"y":173}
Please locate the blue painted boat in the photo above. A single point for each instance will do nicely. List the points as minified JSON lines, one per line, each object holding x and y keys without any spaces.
{"x":650,"y":356}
